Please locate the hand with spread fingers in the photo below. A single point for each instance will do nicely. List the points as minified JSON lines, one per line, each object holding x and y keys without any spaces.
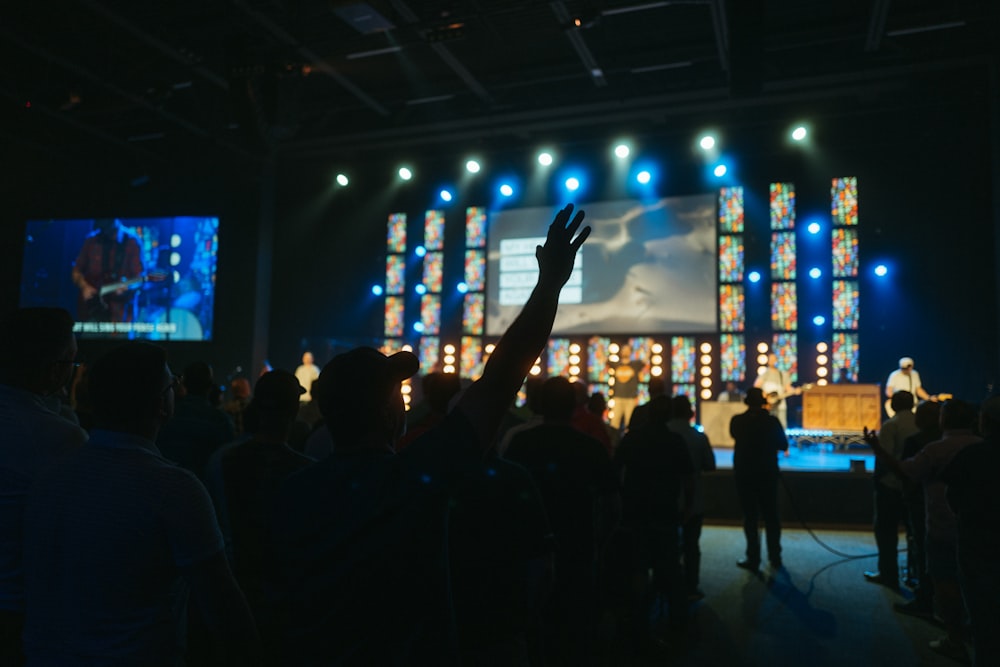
{"x":871,"y":437}
{"x":556,"y":257}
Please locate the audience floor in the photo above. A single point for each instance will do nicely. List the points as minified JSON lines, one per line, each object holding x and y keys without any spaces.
{"x":817,"y":611}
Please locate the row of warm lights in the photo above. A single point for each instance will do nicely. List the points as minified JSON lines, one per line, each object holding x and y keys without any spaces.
{"x":822,"y":371}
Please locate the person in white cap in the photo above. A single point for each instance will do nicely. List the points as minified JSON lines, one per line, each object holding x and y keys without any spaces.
{"x":906,"y":379}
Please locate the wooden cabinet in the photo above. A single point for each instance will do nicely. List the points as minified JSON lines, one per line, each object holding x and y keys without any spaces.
{"x":842,"y":407}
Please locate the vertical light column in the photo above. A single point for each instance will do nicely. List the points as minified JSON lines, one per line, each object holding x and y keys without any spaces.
{"x":474,"y":302}
{"x":784,"y":294}
{"x":598,"y":380}
{"x":845,"y":351}
{"x":430,"y":291}
{"x":684,"y":367}
{"x":395,"y":280}
{"x":732,"y":297}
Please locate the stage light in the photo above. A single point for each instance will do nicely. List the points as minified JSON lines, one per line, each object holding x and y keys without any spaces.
{"x":420,"y":288}
{"x":799,"y":133}
{"x":762,"y":347}
{"x":405,"y":173}
{"x":449,"y":359}
{"x":446,"y":195}
{"x":706,"y":359}
{"x":706,"y":394}
{"x":449,"y":369}
{"x":819,"y":320}
{"x":706,"y":382}
{"x":822,"y":347}
{"x":545,"y":159}
{"x":822,"y":360}
{"x":342,"y":180}
{"x":705,"y":370}
{"x":175,"y":258}
{"x":418,"y":327}
{"x":643,"y":177}
{"x":420,"y":251}
{"x":754,"y":276}
{"x":881,"y":270}
{"x":822,"y":372}
{"x":175,"y":240}
{"x":449,"y":349}
{"x":656,"y":371}
{"x":536,"y":370}
{"x":406,"y":348}
{"x":815,"y":273}
{"x":656,"y":348}
{"x":657,"y":359}
{"x":707,"y":142}
{"x":574,"y":359}
{"x":813,"y":228}
{"x":572,"y":184}
{"x":462,"y":287}
{"x":821,"y":382}
{"x":720,"y":170}
{"x":574,"y":370}
{"x":613,"y":348}
{"x":377,"y":290}
{"x":489,"y":348}
{"x":706,"y":347}
{"x":506,"y":190}
{"x":622,"y":151}
{"x":472,"y":167}
{"x":405,"y":389}
{"x":574,"y":348}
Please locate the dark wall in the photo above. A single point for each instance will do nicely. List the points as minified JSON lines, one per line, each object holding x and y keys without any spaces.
{"x":921,"y":153}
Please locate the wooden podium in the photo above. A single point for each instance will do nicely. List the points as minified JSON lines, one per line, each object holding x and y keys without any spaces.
{"x":715,"y":417}
{"x":842,"y":407}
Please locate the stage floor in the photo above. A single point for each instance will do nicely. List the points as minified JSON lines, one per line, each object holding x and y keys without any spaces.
{"x":809,"y":458}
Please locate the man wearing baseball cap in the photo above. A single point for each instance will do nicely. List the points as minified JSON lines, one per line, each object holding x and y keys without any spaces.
{"x":906,"y":379}
{"x":360,"y":569}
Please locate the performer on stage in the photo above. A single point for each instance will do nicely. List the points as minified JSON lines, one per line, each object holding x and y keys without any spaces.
{"x":906,"y":379}
{"x":626,"y":385}
{"x":109,"y":255}
{"x":776,"y":384}
{"x":306,"y":374}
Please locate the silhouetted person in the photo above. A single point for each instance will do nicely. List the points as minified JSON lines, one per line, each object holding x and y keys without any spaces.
{"x":588,"y":423}
{"x":578,"y":487}
{"x":37,"y":356}
{"x":731,"y":393}
{"x":640,"y":416}
{"x":757,"y":438}
{"x":240,"y":391}
{"x":655,"y":469}
{"x":702,"y":460}
{"x":112,"y":529}
{"x":532,"y":407}
{"x":359,"y":568}
{"x":776,"y":385}
{"x":598,"y":405}
{"x":198,"y":428}
{"x":890,"y":507}
{"x":972,"y":494}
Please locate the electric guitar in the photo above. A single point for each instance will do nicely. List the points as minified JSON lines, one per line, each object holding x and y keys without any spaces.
{"x":938,"y":397}
{"x":97,"y":307}
{"x":776,"y":397}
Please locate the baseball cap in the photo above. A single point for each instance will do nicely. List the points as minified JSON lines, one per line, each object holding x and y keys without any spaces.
{"x":277,"y":389}
{"x":357,"y":381}
{"x":906,"y":362}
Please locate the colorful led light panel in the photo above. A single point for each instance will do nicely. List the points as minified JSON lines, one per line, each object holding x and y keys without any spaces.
{"x":844,"y":201}
{"x":394,"y":308}
{"x":845,"y":357}
{"x":434,"y":230}
{"x":782,"y":206}
{"x":784,"y":307}
{"x":430,"y":314}
{"x":732,"y":308}
{"x":641,"y":352}
{"x":845,"y":252}
{"x":785,"y":345}
{"x":391,"y":346}
{"x":396,"y":233}
{"x":683,"y":359}
{"x":473,"y":314}
{"x":430,"y":347}
{"x":558,"y":357}
{"x":471,"y":357}
{"x":732,"y":357}
{"x":395,"y":274}
{"x":475,"y":270}
{"x":730,"y":259}
{"x":433,"y":271}
{"x":731,"y":210}
{"x":642,"y":394}
{"x":475,"y":227}
{"x":686,"y":389}
{"x":845,"y":304}
{"x":783,"y":256}
{"x":597,"y":359}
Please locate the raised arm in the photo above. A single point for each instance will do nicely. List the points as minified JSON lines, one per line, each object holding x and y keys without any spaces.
{"x":487,"y":400}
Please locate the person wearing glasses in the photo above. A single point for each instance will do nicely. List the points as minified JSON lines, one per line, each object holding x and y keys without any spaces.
{"x":37,"y":358}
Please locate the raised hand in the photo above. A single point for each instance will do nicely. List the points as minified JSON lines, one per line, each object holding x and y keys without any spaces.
{"x":871,"y":437}
{"x":556,"y":257}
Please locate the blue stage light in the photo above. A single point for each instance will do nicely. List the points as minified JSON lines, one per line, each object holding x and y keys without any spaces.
{"x":813,"y":228}
{"x":446,"y":195}
{"x":572,"y":184}
{"x":819,"y":320}
{"x":720,"y":170}
{"x":754,"y":276}
{"x":643,"y":177}
{"x":815,"y":273}
{"x":462,"y":287}
{"x":377,"y":290}
{"x":420,"y":288}
{"x":418,"y":327}
{"x":881,"y":270}
{"x":506,"y":190}
{"x":420,"y":250}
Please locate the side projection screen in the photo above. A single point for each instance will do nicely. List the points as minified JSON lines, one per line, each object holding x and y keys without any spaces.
{"x":647,"y":267}
{"x":128,"y":278}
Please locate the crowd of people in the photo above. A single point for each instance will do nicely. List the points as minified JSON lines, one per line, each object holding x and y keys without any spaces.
{"x":312,"y":525}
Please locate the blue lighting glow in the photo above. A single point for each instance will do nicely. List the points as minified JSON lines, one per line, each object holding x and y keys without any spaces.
{"x":420,"y":288}
{"x":506,"y":190}
{"x":418,"y":327}
{"x":377,"y":290}
{"x":815,"y":273}
{"x":643,"y":177}
{"x":420,"y":250}
{"x":720,"y":170}
{"x":446,"y":195}
{"x":881,"y":270}
{"x":819,"y":320}
{"x":462,"y":287}
{"x":572,"y":184}
{"x":813,"y":228}
{"x":754,"y":276}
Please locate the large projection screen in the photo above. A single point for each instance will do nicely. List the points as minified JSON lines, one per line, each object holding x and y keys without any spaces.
{"x":647,"y":267}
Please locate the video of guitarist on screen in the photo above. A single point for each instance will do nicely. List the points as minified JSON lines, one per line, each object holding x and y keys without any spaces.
{"x":106,"y":272}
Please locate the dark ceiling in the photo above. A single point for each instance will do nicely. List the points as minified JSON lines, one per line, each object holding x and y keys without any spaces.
{"x":255,"y":77}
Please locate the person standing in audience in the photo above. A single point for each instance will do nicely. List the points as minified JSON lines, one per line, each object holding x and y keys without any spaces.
{"x":702,"y":460}
{"x":112,"y":529}
{"x":358,"y":573}
{"x":757,"y":438}
{"x":890,"y":506}
{"x":198,"y":428}
{"x":37,"y":357}
{"x":640,"y":416}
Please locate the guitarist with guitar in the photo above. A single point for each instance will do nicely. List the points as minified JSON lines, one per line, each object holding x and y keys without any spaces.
{"x":777,"y":385}
{"x":907,"y":379}
{"x":108,"y":266}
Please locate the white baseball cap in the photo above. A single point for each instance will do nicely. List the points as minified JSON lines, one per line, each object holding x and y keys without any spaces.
{"x":906,"y":362}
